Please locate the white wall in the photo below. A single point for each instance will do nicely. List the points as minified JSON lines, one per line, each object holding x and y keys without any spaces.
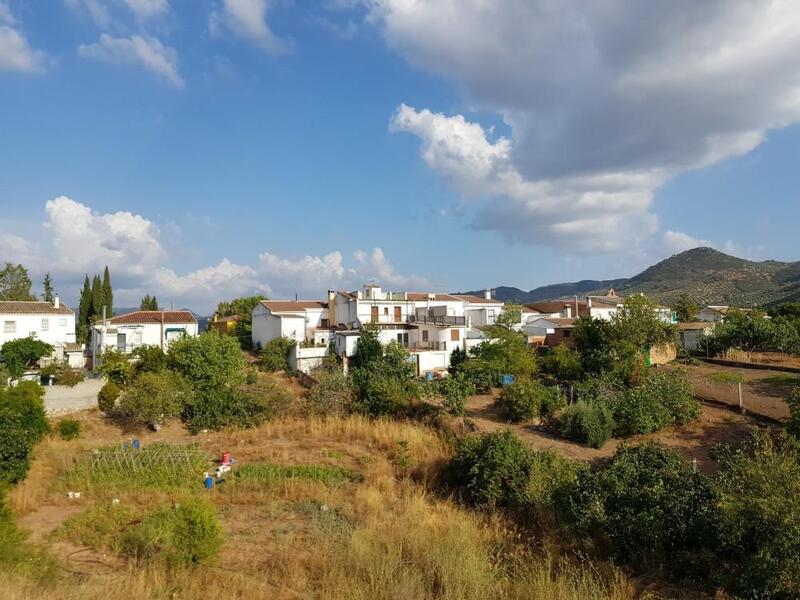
{"x":137,"y":335}
{"x":306,"y":359}
{"x":60,"y":327}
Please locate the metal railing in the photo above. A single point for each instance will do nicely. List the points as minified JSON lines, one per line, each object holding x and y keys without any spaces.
{"x":428,"y":346}
{"x":388,"y":319}
{"x":434,"y":320}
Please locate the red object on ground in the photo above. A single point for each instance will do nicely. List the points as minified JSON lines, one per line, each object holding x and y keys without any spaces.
{"x":226,"y":458}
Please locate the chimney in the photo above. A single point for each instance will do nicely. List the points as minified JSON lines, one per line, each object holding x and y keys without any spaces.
{"x":332,"y":308}
{"x":487,"y":294}
{"x":56,"y":302}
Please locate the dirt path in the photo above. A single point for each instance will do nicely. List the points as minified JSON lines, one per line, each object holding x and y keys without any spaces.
{"x":694,"y":440}
{"x":40,"y":523}
{"x":763,"y":392}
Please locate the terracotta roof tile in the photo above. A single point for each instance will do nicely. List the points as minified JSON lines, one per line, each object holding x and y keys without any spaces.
{"x":154,"y":316}
{"x":15,"y":307}
{"x":421,"y":296}
{"x":470,"y":299}
{"x":290,"y":305}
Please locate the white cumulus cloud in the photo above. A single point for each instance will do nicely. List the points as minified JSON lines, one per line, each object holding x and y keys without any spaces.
{"x":604,"y":102}
{"x":145,"y":9}
{"x":16,"y":54}
{"x":247,"y":19}
{"x":677,"y":241}
{"x":146,"y":52}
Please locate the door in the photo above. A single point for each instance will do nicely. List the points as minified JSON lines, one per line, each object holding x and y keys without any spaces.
{"x":454,"y":335}
{"x":374,"y":314}
{"x":398,"y":315}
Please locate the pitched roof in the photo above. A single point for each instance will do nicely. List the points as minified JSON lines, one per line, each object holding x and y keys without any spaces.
{"x":559,"y":322}
{"x":154,"y":316}
{"x":612,"y":300}
{"x":20,"y":307}
{"x":470,"y":299}
{"x":695,"y":326}
{"x":550,"y":307}
{"x":421,"y":296}
{"x":293,"y":305}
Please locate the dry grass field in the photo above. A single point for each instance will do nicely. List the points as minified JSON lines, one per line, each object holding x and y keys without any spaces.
{"x":335,"y":508}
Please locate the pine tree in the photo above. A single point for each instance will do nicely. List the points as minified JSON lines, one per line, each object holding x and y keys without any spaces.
{"x":48,"y":295}
{"x":84,"y":312}
{"x":15,"y":283}
{"x":108,"y":293}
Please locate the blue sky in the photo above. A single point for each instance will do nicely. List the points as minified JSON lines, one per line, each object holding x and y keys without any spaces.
{"x":209,"y":149}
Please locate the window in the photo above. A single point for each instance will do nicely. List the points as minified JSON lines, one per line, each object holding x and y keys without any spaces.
{"x":62,"y":322}
{"x":490,"y":316}
{"x":386,"y":310}
{"x":402,"y":339}
{"x":567,"y":333}
{"x":454,"y":335}
{"x":9,"y":327}
{"x":424,"y":335}
{"x":45,"y":325}
{"x":324,"y":323}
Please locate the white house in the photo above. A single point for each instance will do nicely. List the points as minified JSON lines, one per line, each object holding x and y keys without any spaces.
{"x":430,"y":325}
{"x":125,"y":333}
{"x":716,"y":313}
{"x":53,"y":323}
{"x":480,"y":310}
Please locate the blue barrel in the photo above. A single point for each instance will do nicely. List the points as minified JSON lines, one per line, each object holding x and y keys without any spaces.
{"x":135,"y":443}
{"x":507,"y":379}
{"x":209,"y":482}
{"x":429,"y":375}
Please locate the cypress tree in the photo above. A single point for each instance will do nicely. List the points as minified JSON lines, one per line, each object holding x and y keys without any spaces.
{"x":97,"y":299}
{"x":47,"y":284}
{"x":108,"y":293}
{"x":84,"y":310}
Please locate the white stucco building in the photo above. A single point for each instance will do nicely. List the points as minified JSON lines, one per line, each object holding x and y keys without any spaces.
{"x":53,"y":323}
{"x":125,"y":333}
{"x":430,"y":325}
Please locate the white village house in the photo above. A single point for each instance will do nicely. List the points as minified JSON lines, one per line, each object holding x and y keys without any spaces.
{"x":53,"y":323}
{"x":430,"y":325}
{"x":125,"y":333}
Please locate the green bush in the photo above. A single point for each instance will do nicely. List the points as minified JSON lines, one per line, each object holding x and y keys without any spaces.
{"x":154,"y":397}
{"x":757,"y":516}
{"x":563,"y":364}
{"x":332,"y":395}
{"x":454,"y":391}
{"x":378,"y":393}
{"x":117,"y":367}
{"x":524,"y":400}
{"x":648,"y":505}
{"x":483,"y":377}
{"x":226,"y":407}
{"x":793,"y":423}
{"x":151,"y":359}
{"x":662,"y":399}
{"x":208,"y":362}
{"x":590,"y":423}
{"x":552,"y":479}
{"x":69,"y":377}
{"x":23,"y":353}
{"x":275,"y":354}
{"x":22,"y":424}
{"x":186,"y":534}
{"x":107,"y":397}
{"x":492,"y":469}
{"x":69,"y":429}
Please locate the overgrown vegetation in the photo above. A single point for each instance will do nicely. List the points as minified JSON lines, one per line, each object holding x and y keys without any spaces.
{"x":23,"y":353}
{"x":753,"y":330}
{"x":270,"y":473}
{"x":69,"y":429}
{"x":526,"y":400}
{"x":274,"y":355}
{"x":589,"y":423}
{"x":22,"y":424}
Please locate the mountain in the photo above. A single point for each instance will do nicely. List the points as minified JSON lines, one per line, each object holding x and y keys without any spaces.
{"x":706,"y":275}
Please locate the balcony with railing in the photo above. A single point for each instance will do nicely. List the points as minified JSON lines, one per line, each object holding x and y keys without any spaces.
{"x":423,"y":346}
{"x":441,"y":321}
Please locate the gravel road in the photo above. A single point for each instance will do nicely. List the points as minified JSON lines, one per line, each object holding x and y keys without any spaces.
{"x":61,"y":399}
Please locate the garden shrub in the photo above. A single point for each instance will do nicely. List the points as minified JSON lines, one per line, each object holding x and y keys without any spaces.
{"x":208,"y":362}
{"x":332,"y":395}
{"x":187,"y":534}
{"x":483,"y":377}
{"x":454,"y":391}
{"x":662,"y":399}
{"x":226,"y":407}
{"x":69,"y":377}
{"x":117,"y":367}
{"x":383,"y":377}
{"x":552,"y":478}
{"x":563,"y":364}
{"x":107,"y":397}
{"x":69,"y":429}
{"x":757,"y":516}
{"x":524,"y":400}
{"x":151,"y":359}
{"x":275,"y":354}
{"x":154,"y":397}
{"x":22,"y":424}
{"x":793,"y":423}
{"x":23,"y":353}
{"x":648,"y":505}
{"x":589,"y":423}
{"x":492,"y":469}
